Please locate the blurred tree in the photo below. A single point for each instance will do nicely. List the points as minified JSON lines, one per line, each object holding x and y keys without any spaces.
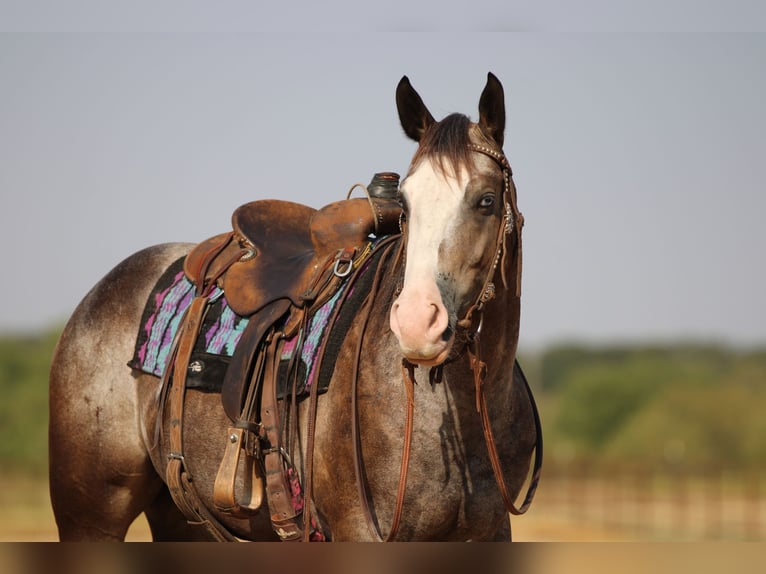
{"x":596,"y":401}
{"x":697,"y":426}
{"x":612,"y":398}
{"x":24,"y":365}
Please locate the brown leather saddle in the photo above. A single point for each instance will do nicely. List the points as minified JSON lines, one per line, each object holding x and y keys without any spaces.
{"x":283,"y":255}
{"x":278,"y":248}
{"x":280,"y":261}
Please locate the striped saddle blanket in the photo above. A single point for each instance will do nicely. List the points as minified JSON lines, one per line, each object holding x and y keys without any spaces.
{"x":220,"y":332}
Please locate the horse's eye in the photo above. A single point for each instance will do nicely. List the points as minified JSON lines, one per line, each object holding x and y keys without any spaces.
{"x":486,"y":201}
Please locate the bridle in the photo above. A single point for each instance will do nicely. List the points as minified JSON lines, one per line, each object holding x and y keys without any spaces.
{"x":513,"y":222}
{"x":469,"y":328}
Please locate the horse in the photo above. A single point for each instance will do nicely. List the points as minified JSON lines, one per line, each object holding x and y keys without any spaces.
{"x":427,"y":429}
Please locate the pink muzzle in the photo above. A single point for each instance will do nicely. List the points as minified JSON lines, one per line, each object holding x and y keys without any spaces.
{"x":420,"y":322}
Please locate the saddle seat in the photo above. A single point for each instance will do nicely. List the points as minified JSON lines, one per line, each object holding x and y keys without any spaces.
{"x":280,"y":248}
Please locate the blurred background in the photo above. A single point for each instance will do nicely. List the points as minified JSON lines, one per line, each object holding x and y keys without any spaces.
{"x":642,"y":442}
{"x":637,"y":137}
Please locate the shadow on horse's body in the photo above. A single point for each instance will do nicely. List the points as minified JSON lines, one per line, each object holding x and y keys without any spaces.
{"x":106,"y":465}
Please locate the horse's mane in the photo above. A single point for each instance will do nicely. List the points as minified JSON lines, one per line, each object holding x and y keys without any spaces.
{"x":446,"y":142}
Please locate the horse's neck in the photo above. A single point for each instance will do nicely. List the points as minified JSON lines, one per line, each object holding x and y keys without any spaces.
{"x":501,"y":319}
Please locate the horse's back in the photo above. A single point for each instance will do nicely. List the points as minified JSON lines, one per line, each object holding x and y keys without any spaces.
{"x":100,"y":474}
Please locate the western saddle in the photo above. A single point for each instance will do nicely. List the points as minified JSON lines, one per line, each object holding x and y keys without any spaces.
{"x":280,"y":263}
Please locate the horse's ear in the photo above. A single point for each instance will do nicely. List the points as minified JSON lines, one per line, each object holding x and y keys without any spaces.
{"x":413,"y":114}
{"x":492,"y":110}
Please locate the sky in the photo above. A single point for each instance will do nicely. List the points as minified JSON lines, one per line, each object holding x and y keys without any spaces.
{"x":636,"y":132}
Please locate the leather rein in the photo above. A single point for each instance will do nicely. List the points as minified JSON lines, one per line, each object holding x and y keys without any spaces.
{"x":470,"y":328}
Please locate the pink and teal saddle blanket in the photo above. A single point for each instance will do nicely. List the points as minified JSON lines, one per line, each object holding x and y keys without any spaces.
{"x":219,"y":335}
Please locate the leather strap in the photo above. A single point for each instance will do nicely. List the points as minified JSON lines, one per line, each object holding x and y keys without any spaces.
{"x":279,"y":494}
{"x":408,"y":379}
{"x":479,"y":369}
{"x":178,"y":479}
{"x":242,"y":363}
{"x":514,"y":222}
{"x":224,"y":489}
{"x":408,"y":376}
{"x":385,"y":246}
{"x":189,"y":329}
{"x":244,"y":436}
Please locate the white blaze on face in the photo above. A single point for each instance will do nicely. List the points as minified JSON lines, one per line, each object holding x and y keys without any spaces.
{"x":418,"y":317}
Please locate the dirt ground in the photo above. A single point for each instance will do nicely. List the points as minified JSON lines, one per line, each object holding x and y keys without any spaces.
{"x":39,"y":526}
{"x":27,"y":517}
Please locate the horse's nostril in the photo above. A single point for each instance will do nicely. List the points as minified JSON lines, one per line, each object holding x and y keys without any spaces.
{"x":447,"y":334}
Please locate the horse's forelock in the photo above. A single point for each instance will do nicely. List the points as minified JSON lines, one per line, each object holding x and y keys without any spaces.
{"x":446,"y":144}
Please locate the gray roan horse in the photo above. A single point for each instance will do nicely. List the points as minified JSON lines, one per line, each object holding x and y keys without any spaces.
{"x":432,"y":348}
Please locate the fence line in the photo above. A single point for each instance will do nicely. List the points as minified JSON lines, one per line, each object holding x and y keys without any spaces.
{"x":643,"y":504}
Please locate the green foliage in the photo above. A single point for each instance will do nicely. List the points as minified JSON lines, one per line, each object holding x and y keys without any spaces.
{"x":24,"y":365}
{"x":646,"y":405}
{"x":598,"y":400}
{"x":559,"y":363}
{"x":676,"y":404}
{"x":700,"y":425}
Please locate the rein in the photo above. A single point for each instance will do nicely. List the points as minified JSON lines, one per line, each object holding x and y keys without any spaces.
{"x":408,"y":378}
{"x":471,"y":326}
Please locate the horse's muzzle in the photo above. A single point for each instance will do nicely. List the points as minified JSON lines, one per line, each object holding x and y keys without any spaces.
{"x":421,"y":325}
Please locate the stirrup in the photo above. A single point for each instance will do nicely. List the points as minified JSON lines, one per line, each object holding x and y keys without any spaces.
{"x":224,"y":490}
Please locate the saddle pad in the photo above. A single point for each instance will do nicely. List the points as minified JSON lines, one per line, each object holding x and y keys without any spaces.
{"x":164,"y":309}
{"x":220,"y":333}
{"x":309,"y":352}
{"x":335,"y":333}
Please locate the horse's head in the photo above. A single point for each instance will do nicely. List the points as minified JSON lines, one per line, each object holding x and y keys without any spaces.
{"x":458,"y":212}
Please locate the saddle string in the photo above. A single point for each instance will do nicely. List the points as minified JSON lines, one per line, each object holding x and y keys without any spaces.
{"x":321,"y":281}
{"x":308,"y":461}
{"x":289,"y":412}
{"x":408,"y":376}
{"x":359,"y":474}
{"x":208,"y":258}
{"x":206,"y":284}
{"x":375,"y":210}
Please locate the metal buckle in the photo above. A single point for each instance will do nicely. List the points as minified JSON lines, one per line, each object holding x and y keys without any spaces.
{"x":280,"y":451}
{"x":346,"y":259}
